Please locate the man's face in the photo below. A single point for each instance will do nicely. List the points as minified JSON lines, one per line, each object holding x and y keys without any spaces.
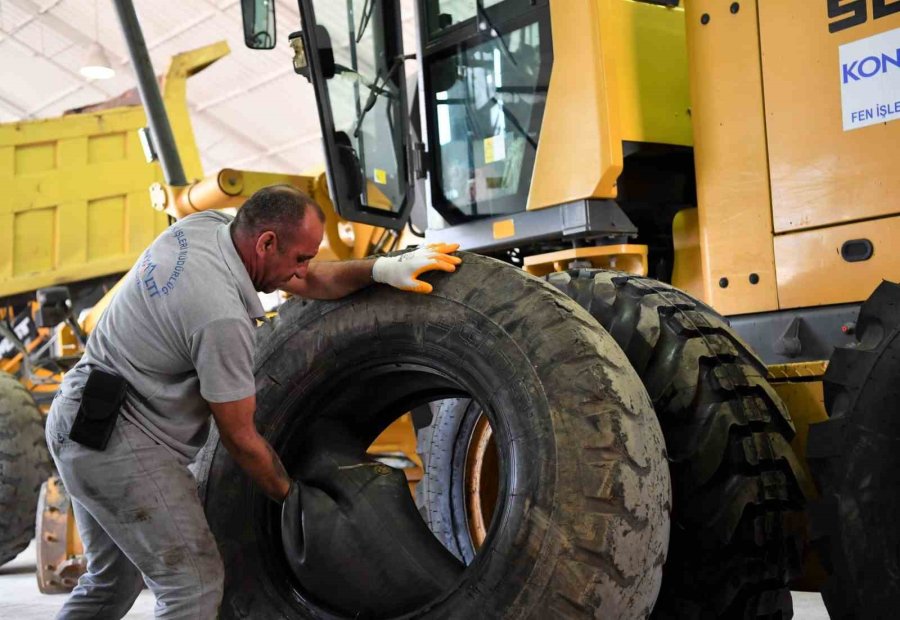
{"x":288,"y":257}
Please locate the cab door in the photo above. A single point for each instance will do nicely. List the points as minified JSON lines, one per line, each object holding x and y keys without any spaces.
{"x":354,"y":55}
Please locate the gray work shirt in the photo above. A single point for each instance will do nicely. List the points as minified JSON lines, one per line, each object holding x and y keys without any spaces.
{"x":180,"y":331}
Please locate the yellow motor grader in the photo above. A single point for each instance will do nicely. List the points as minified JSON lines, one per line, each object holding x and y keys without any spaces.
{"x":715,"y":182}
{"x":711,"y":184}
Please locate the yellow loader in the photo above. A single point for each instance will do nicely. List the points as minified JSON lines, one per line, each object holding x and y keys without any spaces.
{"x":743,"y":153}
{"x":665,"y":166}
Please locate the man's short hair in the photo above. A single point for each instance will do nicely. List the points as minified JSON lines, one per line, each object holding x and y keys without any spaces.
{"x":279,"y":208}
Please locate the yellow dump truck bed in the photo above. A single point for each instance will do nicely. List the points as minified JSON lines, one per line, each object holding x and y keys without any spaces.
{"x":75,"y":202}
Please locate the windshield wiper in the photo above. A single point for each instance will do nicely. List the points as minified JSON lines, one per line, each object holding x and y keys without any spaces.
{"x":355,"y":76}
{"x":479,"y":7}
{"x":515,"y":122}
{"x":375,"y":89}
{"x":368,"y":9}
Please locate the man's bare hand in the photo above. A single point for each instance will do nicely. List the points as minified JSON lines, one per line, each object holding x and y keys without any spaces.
{"x":250,"y":449}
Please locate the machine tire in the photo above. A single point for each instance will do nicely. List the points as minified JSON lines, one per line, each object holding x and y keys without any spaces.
{"x":855,"y":462}
{"x":440,"y":494}
{"x":582,"y":530}
{"x":24,"y":465}
{"x":735,"y":478}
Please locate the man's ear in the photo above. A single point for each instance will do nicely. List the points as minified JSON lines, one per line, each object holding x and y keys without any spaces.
{"x":266,"y":242}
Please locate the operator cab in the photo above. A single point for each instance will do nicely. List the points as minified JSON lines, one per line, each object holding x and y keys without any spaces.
{"x":472,"y":147}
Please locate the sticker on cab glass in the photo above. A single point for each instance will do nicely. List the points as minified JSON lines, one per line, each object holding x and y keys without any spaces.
{"x":494,"y":149}
{"x":380,"y":176}
{"x":870,"y":80}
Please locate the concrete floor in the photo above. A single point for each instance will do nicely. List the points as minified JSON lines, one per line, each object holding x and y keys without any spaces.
{"x":20,"y":599}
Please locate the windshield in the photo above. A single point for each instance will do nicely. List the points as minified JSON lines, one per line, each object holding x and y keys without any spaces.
{"x":445,"y":14}
{"x":366,"y":98}
{"x":486,"y":113}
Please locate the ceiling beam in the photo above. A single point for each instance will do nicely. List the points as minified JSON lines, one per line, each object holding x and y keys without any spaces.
{"x":231,"y":132}
{"x":74,"y":74}
{"x":230,"y":96}
{"x":13,"y":106}
{"x":175,"y":32}
{"x":47,"y":18}
{"x":278,"y":150}
{"x":32,"y":113}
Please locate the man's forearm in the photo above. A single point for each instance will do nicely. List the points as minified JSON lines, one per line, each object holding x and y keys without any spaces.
{"x":256,"y":457}
{"x":333,"y":279}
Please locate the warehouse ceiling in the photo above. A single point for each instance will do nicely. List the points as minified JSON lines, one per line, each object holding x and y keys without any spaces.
{"x":249,"y":110}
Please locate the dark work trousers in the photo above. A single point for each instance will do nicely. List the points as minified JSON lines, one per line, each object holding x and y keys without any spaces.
{"x":139,"y":515}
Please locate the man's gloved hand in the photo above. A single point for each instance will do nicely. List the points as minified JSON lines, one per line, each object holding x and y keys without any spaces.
{"x":403,"y":270}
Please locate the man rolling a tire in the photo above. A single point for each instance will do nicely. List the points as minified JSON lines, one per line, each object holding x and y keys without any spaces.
{"x":175,"y":344}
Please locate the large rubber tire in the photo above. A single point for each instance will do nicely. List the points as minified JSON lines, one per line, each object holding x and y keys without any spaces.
{"x":734,"y":475}
{"x":24,"y":465}
{"x":855,"y":461}
{"x":441,"y":494}
{"x":582,"y":524}
{"x":736,"y":482}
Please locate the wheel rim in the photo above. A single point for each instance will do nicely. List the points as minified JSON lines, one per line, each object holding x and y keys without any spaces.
{"x":481,"y":481}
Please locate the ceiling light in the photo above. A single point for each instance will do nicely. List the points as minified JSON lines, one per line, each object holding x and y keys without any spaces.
{"x":96,"y":64}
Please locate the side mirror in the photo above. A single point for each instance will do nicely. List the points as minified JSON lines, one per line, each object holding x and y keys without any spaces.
{"x":324,"y":52}
{"x":259,"y":23}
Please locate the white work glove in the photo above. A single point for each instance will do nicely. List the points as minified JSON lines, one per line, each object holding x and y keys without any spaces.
{"x":402,"y":271}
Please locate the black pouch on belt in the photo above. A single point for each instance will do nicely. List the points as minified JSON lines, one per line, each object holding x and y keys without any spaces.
{"x":100,"y":404}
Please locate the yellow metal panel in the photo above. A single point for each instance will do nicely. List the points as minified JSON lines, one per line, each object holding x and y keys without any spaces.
{"x":7,"y":243}
{"x":630,"y":258}
{"x":579,"y":154}
{"x":806,"y":404}
{"x":800,"y":387}
{"x":797,"y":370}
{"x":820,"y":173}
{"x":109,"y":147}
{"x":7,"y":159}
{"x":72,"y":152}
{"x":651,"y":65}
{"x":73,"y":232}
{"x":504,"y":229}
{"x":811,"y":271}
{"x":51,"y":170}
{"x":71,"y":126}
{"x":34,"y":158}
{"x":182,"y":67}
{"x":33,"y":241}
{"x":36,"y":192}
{"x":687,"y":274}
{"x":92,"y":269}
{"x":143,"y":223}
{"x":106,"y":227}
{"x":734,"y":208}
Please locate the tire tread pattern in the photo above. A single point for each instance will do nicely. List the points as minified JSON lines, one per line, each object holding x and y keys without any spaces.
{"x":24,"y":465}
{"x":853,"y":460}
{"x":595,"y":531}
{"x":735,"y":478}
